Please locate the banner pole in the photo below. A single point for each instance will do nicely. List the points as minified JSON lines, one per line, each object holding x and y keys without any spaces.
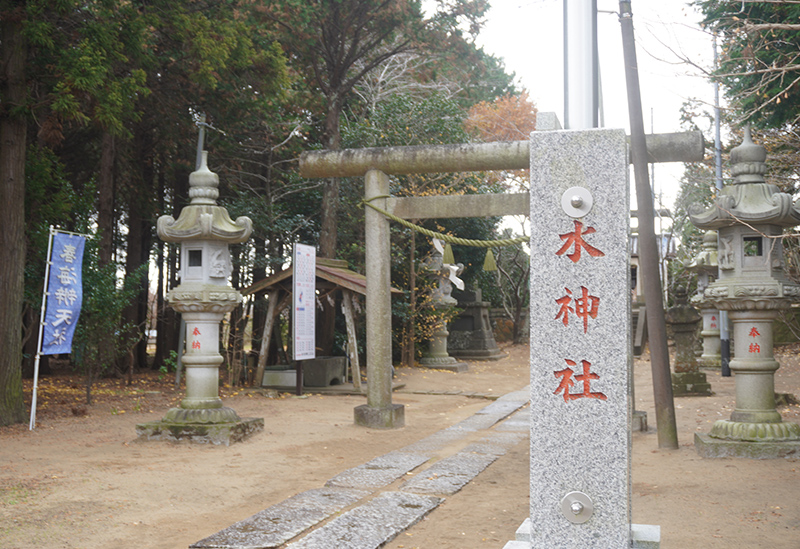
{"x":32,"y":423}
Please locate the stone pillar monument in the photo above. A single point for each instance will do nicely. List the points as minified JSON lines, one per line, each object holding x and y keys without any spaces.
{"x":687,"y":378}
{"x":437,"y":355}
{"x":204,"y":231}
{"x":580,"y":345}
{"x":471,"y":335}
{"x":706,"y":266}
{"x":750,"y":215}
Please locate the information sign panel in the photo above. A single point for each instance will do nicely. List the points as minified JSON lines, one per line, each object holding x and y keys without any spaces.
{"x":304,"y":301}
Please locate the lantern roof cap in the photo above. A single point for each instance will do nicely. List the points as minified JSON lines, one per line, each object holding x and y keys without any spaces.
{"x":748,"y":161}
{"x":202,"y":219}
{"x":749,"y":199}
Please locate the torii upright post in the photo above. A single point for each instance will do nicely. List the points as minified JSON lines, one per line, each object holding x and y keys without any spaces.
{"x":379,"y":412}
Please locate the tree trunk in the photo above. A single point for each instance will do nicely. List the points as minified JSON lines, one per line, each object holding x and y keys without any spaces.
{"x":326,"y":324}
{"x":159,"y":324}
{"x":131,"y":313}
{"x":29,"y":344}
{"x":173,"y":338}
{"x":13,"y":138}
{"x":409,"y":336}
{"x":516,"y":333}
{"x":105,"y":200}
{"x":259,"y":271}
{"x":330,"y":193}
{"x":158,"y":311}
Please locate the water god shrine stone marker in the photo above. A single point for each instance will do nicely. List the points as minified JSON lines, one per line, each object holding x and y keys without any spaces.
{"x":580,"y":330}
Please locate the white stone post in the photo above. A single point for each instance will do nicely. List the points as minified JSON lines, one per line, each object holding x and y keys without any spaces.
{"x":580,"y":341}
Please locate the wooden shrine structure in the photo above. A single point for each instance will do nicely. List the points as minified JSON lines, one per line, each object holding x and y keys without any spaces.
{"x":332,"y":275}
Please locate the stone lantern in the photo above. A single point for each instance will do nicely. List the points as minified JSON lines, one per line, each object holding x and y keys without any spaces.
{"x":204,"y":231}
{"x":706,"y":266}
{"x":445,"y":274}
{"x":684,"y":320}
{"x":750,"y":215}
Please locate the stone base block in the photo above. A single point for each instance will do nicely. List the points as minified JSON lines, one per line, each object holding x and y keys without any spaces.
{"x":643,"y":536}
{"x":392,"y":417}
{"x":690,"y":384}
{"x":478,"y":354}
{"x":450,"y":366}
{"x":639,"y":421}
{"x":279,"y":378}
{"x":200,"y":433}
{"x":710,"y":363}
{"x":523,"y":533}
{"x":709,"y":447}
{"x":323,"y":371}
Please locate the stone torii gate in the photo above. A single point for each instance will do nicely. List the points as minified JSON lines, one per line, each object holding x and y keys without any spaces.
{"x":375,"y":165}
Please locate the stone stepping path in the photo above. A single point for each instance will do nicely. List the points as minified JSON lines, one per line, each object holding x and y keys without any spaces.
{"x":373,"y":520}
{"x":372,"y":524}
{"x":280,"y":523}
{"x":448,"y":476}
{"x":378,"y":472}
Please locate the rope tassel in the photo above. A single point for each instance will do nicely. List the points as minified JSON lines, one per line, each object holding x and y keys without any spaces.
{"x":447,"y":257}
{"x":489,"y":263}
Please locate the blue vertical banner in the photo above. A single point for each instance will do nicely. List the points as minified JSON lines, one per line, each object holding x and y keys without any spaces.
{"x":64,"y":293}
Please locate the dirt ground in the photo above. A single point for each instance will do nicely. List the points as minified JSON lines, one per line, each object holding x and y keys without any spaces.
{"x":80,"y":481}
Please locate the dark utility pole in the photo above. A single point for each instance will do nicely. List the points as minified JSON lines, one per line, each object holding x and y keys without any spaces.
{"x":724,"y":333}
{"x":648,"y":250}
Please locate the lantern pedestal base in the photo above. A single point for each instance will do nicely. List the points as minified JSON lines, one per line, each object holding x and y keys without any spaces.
{"x":447,"y":363}
{"x":690,"y":384}
{"x":200,"y":433}
{"x":781,"y":431}
{"x":221,"y":414}
{"x":709,"y":447}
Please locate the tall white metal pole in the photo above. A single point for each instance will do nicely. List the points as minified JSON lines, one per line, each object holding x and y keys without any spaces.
{"x":32,"y":422}
{"x":580,"y":66}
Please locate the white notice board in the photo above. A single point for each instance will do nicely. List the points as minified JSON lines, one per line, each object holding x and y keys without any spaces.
{"x":304,"y":301}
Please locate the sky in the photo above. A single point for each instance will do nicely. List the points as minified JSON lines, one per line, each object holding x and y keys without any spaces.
{"x":527,"y":35}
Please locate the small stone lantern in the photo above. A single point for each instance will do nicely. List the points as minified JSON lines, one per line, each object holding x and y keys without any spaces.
{"x":684,"y":319}
{"x":750,"y":215}
{"x":706,"y":266}
{"x":204,"y":231}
